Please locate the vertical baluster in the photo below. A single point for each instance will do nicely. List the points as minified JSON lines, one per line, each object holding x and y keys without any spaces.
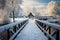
{"x":15,"y":28}
{"x":19,"y":25}
{"x":57,"y":35}
{"x":8,"y":34}
{"x":49,"y":32}
{"x":45,"y":28}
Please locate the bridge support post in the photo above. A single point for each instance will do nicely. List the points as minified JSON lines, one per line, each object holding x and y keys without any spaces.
{"x":45,"y":28}
{"x":8,"y":34}
{"x":15,"y":28}
{"x":49,"y":32}
{"x":57,"y":35}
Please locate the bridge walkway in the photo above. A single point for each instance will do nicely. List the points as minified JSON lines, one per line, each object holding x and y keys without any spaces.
{"x":31,"y":32}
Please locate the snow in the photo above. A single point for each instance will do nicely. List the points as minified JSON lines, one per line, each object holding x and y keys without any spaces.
{"x":31,"y":32}
{"x":17,"y":19}
{"x":52,"y":20}
{"x":10,"y":25}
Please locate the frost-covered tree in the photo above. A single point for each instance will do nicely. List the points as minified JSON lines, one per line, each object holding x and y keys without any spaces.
{"x":6,"y":7}
{"x":51,"y":8}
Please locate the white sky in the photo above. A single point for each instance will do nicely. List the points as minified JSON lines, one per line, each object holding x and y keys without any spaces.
{"x":28,"y":5}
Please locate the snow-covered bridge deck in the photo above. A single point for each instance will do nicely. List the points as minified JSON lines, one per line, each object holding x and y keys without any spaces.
{"x":31,"y":32}
{"x":30,"y":29}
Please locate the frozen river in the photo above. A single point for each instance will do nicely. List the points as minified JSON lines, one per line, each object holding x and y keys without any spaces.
{"x":31,"y":32}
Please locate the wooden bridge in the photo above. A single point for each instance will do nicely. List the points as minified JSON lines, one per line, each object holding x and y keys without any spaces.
{"x":29,"y":29}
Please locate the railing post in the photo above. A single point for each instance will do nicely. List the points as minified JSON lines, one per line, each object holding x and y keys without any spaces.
{"x":19,"y":25}
{"x":45,"y":28}
{"x":57,"y":35}
{"x":15,"y":28}
{"x":8,"y":34}
{"x":49,"y":32}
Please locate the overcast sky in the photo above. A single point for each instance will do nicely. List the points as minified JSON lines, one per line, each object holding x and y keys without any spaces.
{"x":27,"y":5}
{"x":37,"y":1}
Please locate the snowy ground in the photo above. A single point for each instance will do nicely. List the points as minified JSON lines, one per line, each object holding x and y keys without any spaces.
{"x":31,"y":32}
{"x":17,"y":19}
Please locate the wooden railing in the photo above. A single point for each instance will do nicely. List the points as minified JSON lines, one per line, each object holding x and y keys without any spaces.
{"x":10,"y":31}
{"x":51,"y":30}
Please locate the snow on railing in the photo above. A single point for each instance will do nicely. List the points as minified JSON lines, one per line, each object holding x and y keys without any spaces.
{"x":11,"y":28}
{"x":56,"y":26}
{"x":8,"y":26}
{"x":52,"y":28}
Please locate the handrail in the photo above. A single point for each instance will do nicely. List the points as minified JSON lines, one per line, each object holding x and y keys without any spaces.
{"x":11,"y":25}
{"x":15,"y":34}
{"x":45,"y":31}
{"x":56,"y":26}
{"x":47,"y":26}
